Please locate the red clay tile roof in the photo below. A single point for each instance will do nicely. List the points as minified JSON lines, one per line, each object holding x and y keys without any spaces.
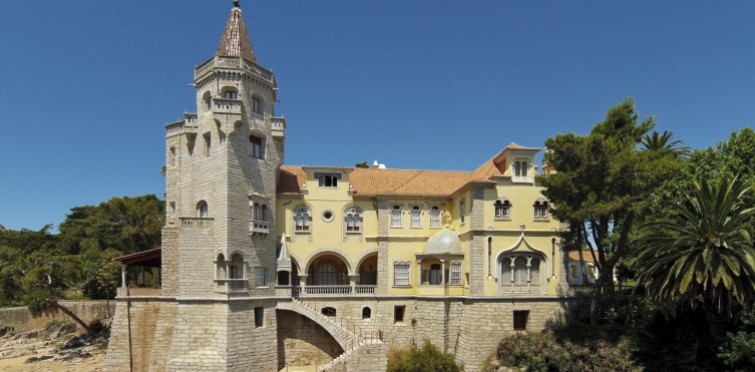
{"x":235,"y":40}
{"x":371,"y":182}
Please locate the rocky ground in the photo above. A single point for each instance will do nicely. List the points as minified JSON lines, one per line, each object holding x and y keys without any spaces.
{"x":58,"y":347}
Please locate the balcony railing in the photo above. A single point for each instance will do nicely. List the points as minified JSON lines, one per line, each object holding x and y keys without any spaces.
{"x":328,"y":289}
{"x":365,"y":289}
{"x":230,"y":285}
{"x":226,"y":106}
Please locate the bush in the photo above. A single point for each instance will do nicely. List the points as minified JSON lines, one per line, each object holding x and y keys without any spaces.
{"x":426,"y":359}
{"x":543,"y":352}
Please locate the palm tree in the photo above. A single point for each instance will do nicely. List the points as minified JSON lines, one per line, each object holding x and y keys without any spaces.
{"x":702,"y":251}
{"x":664,"y":142}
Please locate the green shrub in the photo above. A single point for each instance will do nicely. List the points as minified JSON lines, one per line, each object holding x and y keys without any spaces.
{"x":428,"y":358}
{"x":543,"y":352}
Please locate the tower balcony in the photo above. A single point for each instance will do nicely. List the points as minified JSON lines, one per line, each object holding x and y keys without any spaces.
{"x":259,"y":228}
{"x":186,"y":126}
{"x":278,"y":125}
{"x":233,"y":63}
{"x":226,"y":106}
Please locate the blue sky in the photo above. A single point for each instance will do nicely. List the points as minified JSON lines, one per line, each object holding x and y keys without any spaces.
{"x":87,"y":86}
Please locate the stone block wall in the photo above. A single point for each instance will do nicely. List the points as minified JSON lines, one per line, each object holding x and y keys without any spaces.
{"x":252,"y":348}
{"x":20,"y":319}
{"x":140,"y":335}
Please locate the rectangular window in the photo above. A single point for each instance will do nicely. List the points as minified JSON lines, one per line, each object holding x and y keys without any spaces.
{"x":398,"y":313}
{"x":260,"y":277}
{"x":396,"y":216}
{"x":461,"y":210}
{"x":416,"y":221}
{"x":456,"y":273}
{"x":257,"y":150}
{"x":259,"y":317}
{"x":401,"y":274}
{"x":520,"y":319}
{"x":256,"y":105}
{"x":435,"y":217}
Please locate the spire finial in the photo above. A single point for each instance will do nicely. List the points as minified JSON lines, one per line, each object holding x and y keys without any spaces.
{"x":236,"y":4}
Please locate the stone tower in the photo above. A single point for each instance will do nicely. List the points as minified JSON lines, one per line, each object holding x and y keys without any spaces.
{"x":219,"y":244}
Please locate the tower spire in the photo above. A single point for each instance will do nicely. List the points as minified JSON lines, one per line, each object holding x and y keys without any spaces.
{"x":235,"y":41}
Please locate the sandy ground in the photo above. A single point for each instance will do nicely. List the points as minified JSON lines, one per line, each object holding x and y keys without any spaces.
{"x":54,"y":350}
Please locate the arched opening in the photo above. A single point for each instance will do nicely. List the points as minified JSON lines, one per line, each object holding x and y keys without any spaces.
{"x":328,"y":270}
{"x":366,"y":313}
{"x":207,"y":100}
{"x":220,"y":269}
{"x":368,"y":271}
{"x":236,"y":267}
{"x":328,"y":311}
{"x":284,"y":277}
{"x":229,"y":93}
{"x":203,"y":211}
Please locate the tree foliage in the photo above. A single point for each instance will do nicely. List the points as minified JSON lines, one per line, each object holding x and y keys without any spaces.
{"x":701,"y":249}
{"x":37,"y":266}
{"x":601,"y":183}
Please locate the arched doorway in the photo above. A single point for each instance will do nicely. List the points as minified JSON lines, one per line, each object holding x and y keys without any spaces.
{"x":328,"y":274}
{"x":368,"y":271}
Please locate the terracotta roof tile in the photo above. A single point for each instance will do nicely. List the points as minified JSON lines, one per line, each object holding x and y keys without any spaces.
{"x":290,"y":179}
{"x":235,"y":40}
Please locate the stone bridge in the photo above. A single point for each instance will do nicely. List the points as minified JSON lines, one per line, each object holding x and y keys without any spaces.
{"x":345,"y":338}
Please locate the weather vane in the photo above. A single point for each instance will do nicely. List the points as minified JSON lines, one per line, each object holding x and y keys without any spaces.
{"x":236,"y":4}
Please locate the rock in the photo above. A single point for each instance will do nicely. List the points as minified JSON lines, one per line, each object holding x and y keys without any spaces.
{"x":96,"y":326}
{"x":37,"y":359}
{"x":65,"y":329}
{"x":74,"y":342}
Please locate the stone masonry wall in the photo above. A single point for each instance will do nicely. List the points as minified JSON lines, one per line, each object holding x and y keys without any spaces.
{"x":140,"y":335}
{"x":252,"y":348}
{"x":20,"y":319}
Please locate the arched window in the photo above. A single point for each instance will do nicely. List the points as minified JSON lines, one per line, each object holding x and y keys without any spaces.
{"x":416,"y":216}
{"x":327,"y":273}
{"x":302,"y":219}
{"x":396,"y":216}
{"x":259,"y":212}
{"x":220,"y":269}
{"x":230,"y":94}
{"x":366,"y":313}
{"x":353,"y":220}
{"x":435,"y":216}
{"x":203,"y":210}
{"x":236,"y":267}
{"x":540,"y":209}
{"x":502,"y":209}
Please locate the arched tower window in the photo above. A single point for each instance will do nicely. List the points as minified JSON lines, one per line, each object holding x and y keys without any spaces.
{"x":203,"y":210}
{"x":366,"y":313}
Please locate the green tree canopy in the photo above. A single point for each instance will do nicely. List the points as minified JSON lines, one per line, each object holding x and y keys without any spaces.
{"x":601,"y":183}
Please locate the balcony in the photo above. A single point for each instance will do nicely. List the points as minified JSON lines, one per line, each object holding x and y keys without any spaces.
{"x":230,"y":285}
{"x":180,"y":127}
{"x":237,"y":63}
{"x":259,"y":228}
{"x":279,"y":126}
{"x":226,"y":106}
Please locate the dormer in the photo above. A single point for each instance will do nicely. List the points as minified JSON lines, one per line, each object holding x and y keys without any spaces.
{"x":518,"y":163}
